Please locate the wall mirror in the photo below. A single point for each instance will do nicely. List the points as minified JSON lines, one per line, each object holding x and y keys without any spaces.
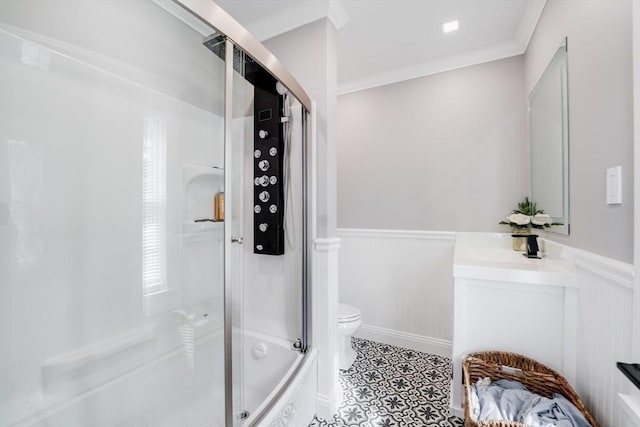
{"x":549,"y":139}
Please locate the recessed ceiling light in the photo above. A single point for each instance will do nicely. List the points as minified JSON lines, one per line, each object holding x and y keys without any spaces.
{"x":450,"y":26}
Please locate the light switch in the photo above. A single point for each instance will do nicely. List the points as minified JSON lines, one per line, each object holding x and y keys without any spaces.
{"x":614,"y":185}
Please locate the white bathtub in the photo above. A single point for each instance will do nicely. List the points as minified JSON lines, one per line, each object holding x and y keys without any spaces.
{"x":264,"y":373}
{"x":181,"y":391}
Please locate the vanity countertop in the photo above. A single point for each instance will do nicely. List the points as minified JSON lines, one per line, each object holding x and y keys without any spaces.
{"x":489,"y":256}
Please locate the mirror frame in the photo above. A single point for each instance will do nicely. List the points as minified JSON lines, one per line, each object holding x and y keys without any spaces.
{"x":560,"y":56}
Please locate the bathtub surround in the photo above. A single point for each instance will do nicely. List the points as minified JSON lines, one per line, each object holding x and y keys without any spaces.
{"x":78,"y":188}
{"x":123,"y":276}
{"x":309,"y":52}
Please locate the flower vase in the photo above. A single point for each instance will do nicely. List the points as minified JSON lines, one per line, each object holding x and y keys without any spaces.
{"x":520,"y":238}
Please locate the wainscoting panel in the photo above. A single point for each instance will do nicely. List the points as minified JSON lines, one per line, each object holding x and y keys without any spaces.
{"x":605,"y":307}
{"x":403,"y":283}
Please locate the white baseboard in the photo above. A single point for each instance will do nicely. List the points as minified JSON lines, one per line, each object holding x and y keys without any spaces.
{"x":327,"y":406}
{"x":630,"y":406}
{"x":407,"y":340}
{"x":456,"y":412}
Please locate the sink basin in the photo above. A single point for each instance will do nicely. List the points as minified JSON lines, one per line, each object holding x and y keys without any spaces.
{"x":490,"y":256}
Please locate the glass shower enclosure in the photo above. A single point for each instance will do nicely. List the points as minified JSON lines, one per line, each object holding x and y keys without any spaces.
{"x":153,"y":216}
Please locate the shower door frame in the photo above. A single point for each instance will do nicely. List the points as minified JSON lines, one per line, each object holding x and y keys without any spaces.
{"x":235,"y":35}
{"x":214,"y":16}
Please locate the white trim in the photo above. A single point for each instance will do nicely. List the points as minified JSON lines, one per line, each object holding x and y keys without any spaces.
{"x":327,"y":245}
{"x":327,"y":405}
{"x":324,"y":326}
{"x":406,"y":340}
{"x":630,"y":406}
{"x":570,"y":336}
{"x":456,"y":412}
{"x":396,"y":75}
{"x":338,"y":14}
{"x":287,"y":19}
{"x":290,"y":18}
{"x":530,"y":17}
{"x":314,"y":171}
{"x":636,"y":178}
{"x":502,"y":50}
{"x":616,"y":272}
{"x":397,"y":234}
{"x":298,"y":15}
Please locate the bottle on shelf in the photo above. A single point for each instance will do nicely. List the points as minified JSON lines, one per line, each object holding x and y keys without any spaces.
{"x":218,"y":207}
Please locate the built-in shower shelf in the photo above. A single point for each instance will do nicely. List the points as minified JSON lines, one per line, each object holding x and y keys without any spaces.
{"x":200,"y":184}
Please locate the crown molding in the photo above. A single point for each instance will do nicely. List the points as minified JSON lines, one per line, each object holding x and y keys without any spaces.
{"x":338,"y":14}
{"x":517,"y":46}
{"x":529,"y":21}
{"x":396,"y":75}
{"x":297,"y":16}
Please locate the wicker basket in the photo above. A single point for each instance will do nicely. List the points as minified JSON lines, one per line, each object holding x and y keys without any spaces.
{"x":535,"y":376}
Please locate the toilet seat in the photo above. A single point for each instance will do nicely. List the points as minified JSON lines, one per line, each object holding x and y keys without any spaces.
{"x":348,"y":313}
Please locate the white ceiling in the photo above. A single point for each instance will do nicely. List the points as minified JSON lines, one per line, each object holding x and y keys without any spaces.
{"x":385,"y":41}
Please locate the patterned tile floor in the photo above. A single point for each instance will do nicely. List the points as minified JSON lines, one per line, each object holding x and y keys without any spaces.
{"x":391,"y":386}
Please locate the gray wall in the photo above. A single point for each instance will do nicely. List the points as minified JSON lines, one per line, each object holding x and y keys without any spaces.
{"x":309,"y":53}
{"x":441,"y":152}
{"x":600,"y":115}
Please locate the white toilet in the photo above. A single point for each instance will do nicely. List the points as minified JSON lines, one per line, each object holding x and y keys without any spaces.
{"x":349,"y":322}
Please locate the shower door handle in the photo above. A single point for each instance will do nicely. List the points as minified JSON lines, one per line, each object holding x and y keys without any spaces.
{"x":237,"y":240}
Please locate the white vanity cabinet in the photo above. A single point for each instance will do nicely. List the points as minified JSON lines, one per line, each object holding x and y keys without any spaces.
{"x":506,"y":302}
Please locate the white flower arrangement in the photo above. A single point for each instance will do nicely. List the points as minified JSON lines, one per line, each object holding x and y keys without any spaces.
{"x":528,"y":216}
{"x":520,"y":220}
{"x":542,"y":219}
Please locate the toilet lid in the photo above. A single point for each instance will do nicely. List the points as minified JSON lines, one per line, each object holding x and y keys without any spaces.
{"x":347,"y":313}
